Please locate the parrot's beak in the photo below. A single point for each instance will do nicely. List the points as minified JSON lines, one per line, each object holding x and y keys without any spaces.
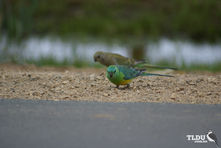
{"x":111,"y":74}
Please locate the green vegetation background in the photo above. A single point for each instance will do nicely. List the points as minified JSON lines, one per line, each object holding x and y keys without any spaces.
{"x":195,"y":19}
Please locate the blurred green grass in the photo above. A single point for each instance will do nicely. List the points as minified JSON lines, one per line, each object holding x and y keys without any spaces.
{"x":195,"y":19}
{"x":50,"y":61}
{"x":216,"y":67}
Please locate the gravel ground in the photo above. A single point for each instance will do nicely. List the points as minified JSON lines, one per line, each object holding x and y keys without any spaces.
{"x":89,"y":84}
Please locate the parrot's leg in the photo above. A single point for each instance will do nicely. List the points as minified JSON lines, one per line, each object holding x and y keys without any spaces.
{"x":126,"y":87}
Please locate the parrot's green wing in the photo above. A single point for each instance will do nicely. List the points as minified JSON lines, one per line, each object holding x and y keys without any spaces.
{"x":129,"y":72}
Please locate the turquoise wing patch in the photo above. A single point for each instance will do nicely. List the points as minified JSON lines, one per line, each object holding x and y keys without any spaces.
{"x":129,"y":73}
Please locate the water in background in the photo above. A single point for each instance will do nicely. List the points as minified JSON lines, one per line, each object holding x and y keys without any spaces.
{"x":180,"y":52}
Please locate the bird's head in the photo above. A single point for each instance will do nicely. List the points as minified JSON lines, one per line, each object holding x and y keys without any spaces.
{"x":111,"y":70}
{"x":98,"y":56}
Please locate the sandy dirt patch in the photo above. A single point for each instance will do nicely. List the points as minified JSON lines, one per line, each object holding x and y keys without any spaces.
{"x":90,"y":84}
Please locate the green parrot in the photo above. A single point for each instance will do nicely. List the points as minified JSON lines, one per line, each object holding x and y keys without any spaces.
{"x":123,"y":75}
{"x":107,"y":59}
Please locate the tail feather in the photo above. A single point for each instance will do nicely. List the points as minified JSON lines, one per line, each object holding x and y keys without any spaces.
{"x":153,"y":74}
{"x":145,"y":65}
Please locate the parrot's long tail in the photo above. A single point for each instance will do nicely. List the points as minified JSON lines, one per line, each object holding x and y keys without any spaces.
{"x":145,"y":65}
{"x":153,"y":74}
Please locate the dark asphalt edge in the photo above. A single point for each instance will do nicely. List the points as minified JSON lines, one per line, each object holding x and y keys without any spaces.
{"x":98,"y":102}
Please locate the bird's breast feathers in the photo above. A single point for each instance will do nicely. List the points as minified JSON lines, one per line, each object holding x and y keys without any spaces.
{"x":125,"y":82}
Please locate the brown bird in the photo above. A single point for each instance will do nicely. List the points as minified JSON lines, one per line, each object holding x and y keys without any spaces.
{"x":107,"y":59}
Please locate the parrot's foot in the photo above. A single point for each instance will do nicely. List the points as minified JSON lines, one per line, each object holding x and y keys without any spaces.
{"x":128,"y":86}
